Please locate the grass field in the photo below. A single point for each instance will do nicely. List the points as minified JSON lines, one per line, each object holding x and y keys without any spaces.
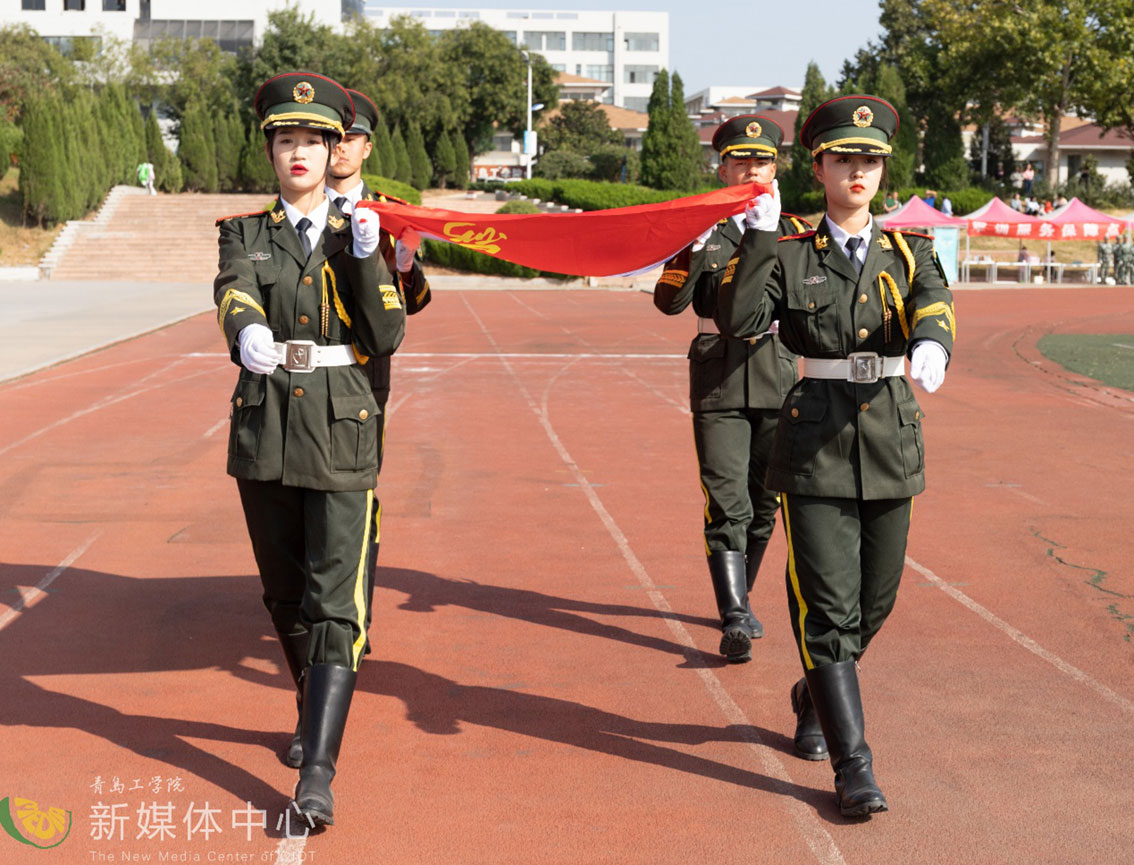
{"x":20,"y":244}
{"x":1107,"y":357}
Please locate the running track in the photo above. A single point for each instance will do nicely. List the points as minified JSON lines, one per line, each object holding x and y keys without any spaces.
{"x":544,"y":685}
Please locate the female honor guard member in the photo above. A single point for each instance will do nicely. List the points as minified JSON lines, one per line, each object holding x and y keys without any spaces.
{"x":853,"y":301}
{"x":736,"y":387}
{"x":345,"y":187}
{"x":303,"y":301}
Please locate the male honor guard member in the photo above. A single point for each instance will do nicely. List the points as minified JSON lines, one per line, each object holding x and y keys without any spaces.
{"x":345,"y":187}
{"x":853,"y":301}
{"x":304,"y":302}
{"x":736,"y":387}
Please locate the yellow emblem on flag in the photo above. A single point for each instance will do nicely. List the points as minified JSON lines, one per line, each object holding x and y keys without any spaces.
{"x":487,"y":240}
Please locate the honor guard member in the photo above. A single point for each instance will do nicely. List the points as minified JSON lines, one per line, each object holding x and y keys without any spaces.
{"x":736,"y":387}
{"x":345,"y":187}
{"x":304,"y":301}
{"x":853,"y":301}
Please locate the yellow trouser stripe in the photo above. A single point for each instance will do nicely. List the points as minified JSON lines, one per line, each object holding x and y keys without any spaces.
{"x":378,"y":523}
{"x":807,"y":663}
{"x":360,"y":582}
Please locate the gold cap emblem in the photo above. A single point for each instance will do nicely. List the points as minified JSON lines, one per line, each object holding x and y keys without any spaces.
{"x":305,"y":93}
{"x":753,"y":130}
{"x":862,"y":117}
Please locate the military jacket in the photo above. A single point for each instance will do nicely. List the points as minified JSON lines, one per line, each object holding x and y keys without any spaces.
{"x":317,"y":429}
{"x":725,"y":373}
{"x":837,"y":438}
{"x":415,"y":292}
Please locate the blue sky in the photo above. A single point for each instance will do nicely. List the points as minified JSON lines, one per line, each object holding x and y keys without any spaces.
{"x":730,"y":42}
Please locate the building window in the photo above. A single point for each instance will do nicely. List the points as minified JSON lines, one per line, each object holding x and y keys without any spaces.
{"x":538,"y":40}
{"x":639,"y":74}
{"x":34,"y":5}
{"x":600,"y":73}
{"x":510,"y":35}
{"x":74,"y":5}
{"x":559,"y":67}
{"x":636,"y":103}
{"x":642,"y":41}
{"x":467,"y":14}
{"x":592,"y":41}
{"x":113,"y":5}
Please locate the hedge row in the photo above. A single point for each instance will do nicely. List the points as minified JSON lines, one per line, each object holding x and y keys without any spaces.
{"x":459,"y":258}
{"x":386,"y":186}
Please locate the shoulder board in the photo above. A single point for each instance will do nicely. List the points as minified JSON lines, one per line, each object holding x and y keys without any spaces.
{"x":905,"y":233}
{"x":803,"y":236}
{"x":385,"y":196}
{"x":242,"y":215}
{"x":797,"y":218}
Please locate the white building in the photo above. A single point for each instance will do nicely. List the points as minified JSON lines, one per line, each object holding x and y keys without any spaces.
{"x":232,"y":25}
{"x":623,"y":49}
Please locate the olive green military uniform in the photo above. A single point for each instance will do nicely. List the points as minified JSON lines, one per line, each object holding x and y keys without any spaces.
{"x":1106,"y":258}
{"x":303,"y":445}
{"x":847,"y":456}
{"x":1124,"y":262}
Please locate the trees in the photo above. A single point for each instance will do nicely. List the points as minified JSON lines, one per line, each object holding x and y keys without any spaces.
{"x":403,"y":172}
{"x":421,"y":169}
{"x":461,"y":172}
{"x":671,"y":150}
{"x":579,"y":126}
{"x":197,"y":149}
{"x":444,"y":160}
{"x":798,"y":179}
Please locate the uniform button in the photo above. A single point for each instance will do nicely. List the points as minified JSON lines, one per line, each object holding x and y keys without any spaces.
{"x":864,"y":406}
{"x":862,"y":298}
{"x":298,"y":391}
{"x":713,"y":265}
{"x":307,"y":280}
{"x":304,"y":319}
{"x":795,"y":412}
{"x":363,"y":414}
{"x":863,"y":333}
{"x":239,"y":401}
{"x":811,"y":305}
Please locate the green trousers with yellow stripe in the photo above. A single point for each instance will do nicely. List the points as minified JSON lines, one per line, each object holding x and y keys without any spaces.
{"x":312,"y":549}
{"x":845,"y":560}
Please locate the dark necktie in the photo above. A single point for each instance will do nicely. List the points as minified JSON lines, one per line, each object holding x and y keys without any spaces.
{"x":304,"y":240}
{"x":853,"y":243}
{"x":342,"y":203}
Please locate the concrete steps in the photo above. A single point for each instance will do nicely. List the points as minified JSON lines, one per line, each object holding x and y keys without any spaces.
{"x":151,"y":238}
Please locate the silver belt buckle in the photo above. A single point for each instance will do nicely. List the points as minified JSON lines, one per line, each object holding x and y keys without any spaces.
{"x":299,"y":355}
{"x":865,"y":367}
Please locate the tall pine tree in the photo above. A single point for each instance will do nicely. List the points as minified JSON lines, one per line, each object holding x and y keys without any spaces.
{"x":379,"y":152}
{"x":420,"y":166}
{"x":402,"y":171}
{"x":197,"y":150}
{"x":799,"y":178}
{"x":461,"y":172}
{"x":41,"y":157}
{"x":671,"y":150}
{"x":445,"y":160}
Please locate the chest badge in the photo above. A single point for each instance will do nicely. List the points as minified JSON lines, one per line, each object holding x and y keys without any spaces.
{"x":712,"y":247}
{"x":884,"y":242}
{"x":259,"y":256}
{"x":336,"y":222}
{"x":814,"y":280}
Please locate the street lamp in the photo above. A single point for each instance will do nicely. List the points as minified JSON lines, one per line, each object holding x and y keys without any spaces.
{"x":529,"y":135}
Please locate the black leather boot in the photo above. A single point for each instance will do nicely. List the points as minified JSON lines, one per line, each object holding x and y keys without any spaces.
{"x":726,"y":567}
{"x":327,"y":691}
{"x":838,"y":703}
{"x":808,"y":739}
{"x":295,"y":651}
{"x":752,"y":560}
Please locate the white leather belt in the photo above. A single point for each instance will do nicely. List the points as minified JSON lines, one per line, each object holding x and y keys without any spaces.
{"x":303,"y":355}
{"x":862,"y":367}
{"x":707,"y":325}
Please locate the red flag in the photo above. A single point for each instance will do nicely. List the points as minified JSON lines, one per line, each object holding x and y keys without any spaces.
{"x":612,"y":242}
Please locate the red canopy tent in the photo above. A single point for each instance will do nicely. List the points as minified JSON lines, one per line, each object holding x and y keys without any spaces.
{"x":915,"y":213}
{"x":1077,"y":221}
{"x":997,"y":219}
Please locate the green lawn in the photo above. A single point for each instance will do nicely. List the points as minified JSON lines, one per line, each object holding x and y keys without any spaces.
{"x":1107,"y":357}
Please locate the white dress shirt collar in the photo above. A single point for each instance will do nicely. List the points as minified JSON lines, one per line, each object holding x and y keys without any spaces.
{"x":353,"y":196}
{"x":318,"y":218}
{"x":840,"y":237}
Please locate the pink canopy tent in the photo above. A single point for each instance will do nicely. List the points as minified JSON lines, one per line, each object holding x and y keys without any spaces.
{"x":1077,"y":221}
{"x":915,"y":213}
{"x":997,"y":219}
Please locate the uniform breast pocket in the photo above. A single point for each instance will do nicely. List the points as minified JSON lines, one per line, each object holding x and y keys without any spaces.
{"x":800,"y":437}
{"x":267,"y":272}
{"x":247,"y":417}
{"x":354,"y":432}
{"x":913,"y":446}
{"x":706,"y":367}
{"x":814,"y":311}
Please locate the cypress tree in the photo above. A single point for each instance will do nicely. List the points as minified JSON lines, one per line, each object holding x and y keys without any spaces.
{"x":445,"y":159}
{"x":671,"y":150}
{"x":197,"y":150}
{"x":461,"y":173}
{"x":379,"y":152}
{"x":799,"y":177}
{"x":137,"y":129}
{"x":72,"y":198}
{"x":40,"y":155}
{"x":686,"y":143}
{"x":402,"y":172}
{"x":256,"y":174}
{"x":92,"y":178}
{"x":228,"y":152}
{"x":654,"y":138}
{"x":420,"y":166}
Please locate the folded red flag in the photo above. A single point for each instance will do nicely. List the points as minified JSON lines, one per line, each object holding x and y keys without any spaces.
{"x":613,"y":242}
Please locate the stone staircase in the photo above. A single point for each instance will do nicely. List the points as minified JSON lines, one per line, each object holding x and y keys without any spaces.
{"x":148,"y":238}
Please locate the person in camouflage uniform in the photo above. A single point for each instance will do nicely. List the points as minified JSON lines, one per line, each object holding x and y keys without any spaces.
{"x":1106,"y":258}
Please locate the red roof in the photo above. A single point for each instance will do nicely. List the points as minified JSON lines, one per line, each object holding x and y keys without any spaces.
{"x":1090,"y":135}
{"x":775,"y":91}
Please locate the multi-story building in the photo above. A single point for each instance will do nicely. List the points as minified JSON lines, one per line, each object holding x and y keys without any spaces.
{"x":623,"y":49}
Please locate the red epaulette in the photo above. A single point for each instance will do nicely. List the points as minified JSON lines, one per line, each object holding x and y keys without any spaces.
{"x":805,"y":234}
{"x":800,"y":218}
{"x":905,"y":233}
{"x":240,"y":215}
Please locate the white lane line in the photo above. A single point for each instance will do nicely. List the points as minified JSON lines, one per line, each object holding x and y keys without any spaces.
{"x":1025,"y":641}
{"x":41,"y":587}
{"x":213,"y":429}
{"x":821,"y":844}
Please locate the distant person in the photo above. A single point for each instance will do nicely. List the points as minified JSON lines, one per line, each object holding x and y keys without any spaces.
{"x":1061,"y":201}
{"x":931,"y":198}
{"x":890,"y":203}
{"x":1022,"y":255}
{"x":1028,"y":175}
{"x":1017,"y":203}
{"x":946,"y":205}
{"x":1016,"y":178}
{"x":146,"y":176}
{"x":1047,"y":208}
{"x":1106,"y":250}
{"x":1032,"y":207}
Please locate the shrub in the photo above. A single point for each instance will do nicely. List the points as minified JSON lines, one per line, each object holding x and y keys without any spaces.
{"x":386,"y":186}
{"x":518,"y":205}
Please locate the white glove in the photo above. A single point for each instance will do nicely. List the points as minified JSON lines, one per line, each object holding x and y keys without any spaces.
{"x":405,"y":249}
{"x":763,"y":211}
{"x":702,"y":239}
{"x":774,"y":327}
{"x":927,"y":365}
{"x":365,"y":228}
{"x":258,"y":349}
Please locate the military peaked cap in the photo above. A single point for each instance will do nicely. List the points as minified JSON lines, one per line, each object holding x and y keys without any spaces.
{"x":366,"y":113}
{"x":304,"y":99}
{"x":850,"y":124}
{"x":748,"y":135}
